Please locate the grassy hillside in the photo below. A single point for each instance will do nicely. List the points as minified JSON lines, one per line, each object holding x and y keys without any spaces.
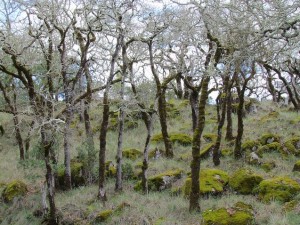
{"x":169,"y":206}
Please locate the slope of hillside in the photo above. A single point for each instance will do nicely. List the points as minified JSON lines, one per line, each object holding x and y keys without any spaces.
{"x":272,"y":133}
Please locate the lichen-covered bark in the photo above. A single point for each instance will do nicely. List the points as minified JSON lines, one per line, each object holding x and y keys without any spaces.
{"x":162,"y":111}
{"x":195,"y":165}
{"x":222,"y":102}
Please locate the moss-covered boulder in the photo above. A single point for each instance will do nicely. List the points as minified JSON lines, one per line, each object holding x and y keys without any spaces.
{"x":212,"y":181}
{"x":132,"y":153}
{"x":250,"y":145}
{"x":77,"y":175}
{"x":269,"y":138}
{"x":268,"y":166}
{"x":180,"y":138}
{"x":239,"y":214}
{"x":206,"y":151}
{"x":297,"y":166}
{"x":161,"y":181}
{"x":244,"y":181}
{"x":272,"y":147}
{"x":103,"y":215}
{"x":281,"y":189}
{"x":292,"y":146}
{"x":14,"y":189}
{"x":210,"y":137}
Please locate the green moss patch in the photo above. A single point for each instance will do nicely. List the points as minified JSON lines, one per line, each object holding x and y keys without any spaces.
{"x":161,"y":181}
{"x":268,"y":166}
{"x":250,"y":145}
{"x":281,"y":189}
{"x":269,"y":138}
{"x":210,"y":137}
{"x":206,"y":151}
{"x":235,"y":215}
{"x":297,"y":166}
{"x":132,"y":153}
{"x":244,"y":181}
{"x":272,"y":147}
{"x":180,"y":138}
{"x":292,"y":146}
{"x":77,"y":175}
{"x":212,"y":181}
{"x":14,"y":189}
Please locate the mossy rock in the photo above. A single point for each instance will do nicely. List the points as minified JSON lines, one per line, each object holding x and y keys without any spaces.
{"x":292,"y":146}
{"x":206,"y":151}
{"x":14,"y":189}
{"x":235,"y":215}
{"x":244,"y":181}
{"x":269,"y":138}
{"x":250,"y":145}
{"x":180,"y":138}
{"x":161,"y":181}
{"x":281,"y":189}
{"x":212,"y":181}
{"x":268,"y":166}
{"x":226,"y":152}
{"x":77,"y":175}
{"x":272,"y":147}
{"x":103,"y":215}
{"x":297,"y":166}
{"x":210,"y":137}
{"x":132,"y":153}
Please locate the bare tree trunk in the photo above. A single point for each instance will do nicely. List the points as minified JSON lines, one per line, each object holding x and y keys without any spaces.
{"x":163,"y":123}
{"x":240,"y":131}
{"x":119,"y":185}
{"x":194,"y":106}
{"x":195,"y":165}
{"x":67,"y":138}
{"x":229,"y":132}
{"x":105,"y":118}
{"x":221,"y":120}
{"x":179,"y":87}
{"x":148,"y":120}
{"x":47,"y":145}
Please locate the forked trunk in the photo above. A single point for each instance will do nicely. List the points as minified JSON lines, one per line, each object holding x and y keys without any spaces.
{"x":195,"y":165}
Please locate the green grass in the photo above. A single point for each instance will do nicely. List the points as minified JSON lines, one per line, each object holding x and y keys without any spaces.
{"x":156,"y":207}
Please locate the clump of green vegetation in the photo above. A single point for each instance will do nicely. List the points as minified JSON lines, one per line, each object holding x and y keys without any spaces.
{"x":161,"y":181}
{"x":250,"y":145}
{"x":132,"y":153}
{"x":77,"y":175}
{"x":297,"y":166}
{"x":103,"y":215}
{"x":292,"y":146}
{"x":239,"y":214}
{"x":226,"y":152}
{"x":244,"y":181}
{"x":206,"y":151}
{"x":270,"y":116}
{"x":289,"y":206}
{"x":14,"y":189}
{"x":281,"y":189}
{"x":110,"y":169}
{"x":212,"y":181}
{"x":180,"y":138}
{"x":268,"y":166}
{"x":210,"y":137}
{"x":274,"y":146}
{"x":269,"y":138}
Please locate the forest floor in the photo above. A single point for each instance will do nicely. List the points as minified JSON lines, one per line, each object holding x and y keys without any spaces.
{"x":80,"y":205}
